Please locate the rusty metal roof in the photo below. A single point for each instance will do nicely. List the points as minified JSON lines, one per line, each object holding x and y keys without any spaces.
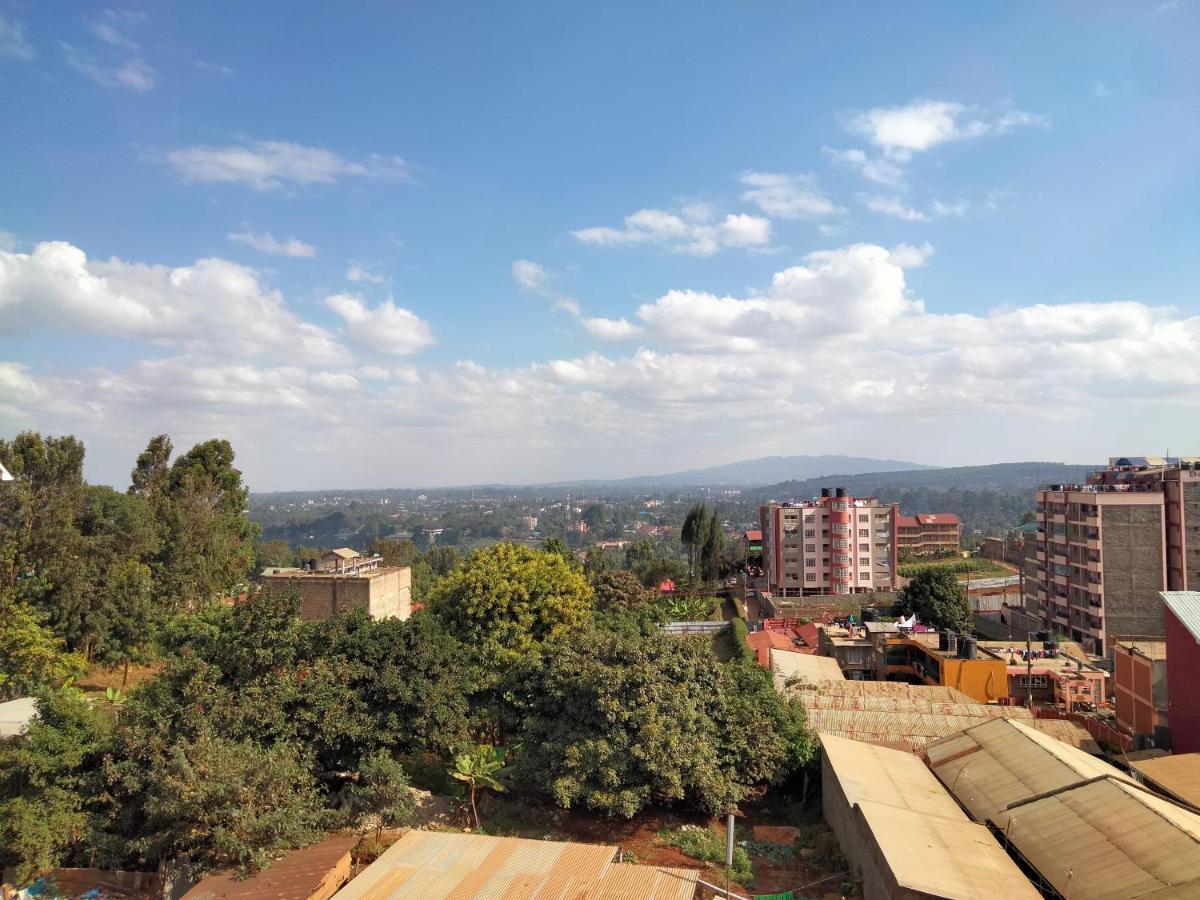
{"x":1177,"y":775}
{"x":789,"y":667}
{"x":426,"y":865}
{"x":892,"y":689}
{"x":998,"y":763}
{"x":1107,"y":839}
{"x":313,"y":873}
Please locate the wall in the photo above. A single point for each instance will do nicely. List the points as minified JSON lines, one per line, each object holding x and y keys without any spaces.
{"x":1132,"y":553}
{"x":384,"y":593}
{"x":1183,"y":676}
{"x":1134,"y":683}
{"x":840,"y":817}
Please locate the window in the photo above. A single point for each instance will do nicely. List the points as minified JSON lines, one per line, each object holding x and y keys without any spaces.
{"x":1034,"y":681}
{"x":864,"y":548}
{"x":810,"y":576}
{"x":810,"y":533}
{"x":810,"y":548}
{"x":810,"y":518}
{"x":824,"y":531}
{"x":841,"y":545}
{"x":863,"y":517}
{"x":811,"y":563}
{"x":864,"y":562}
{"x":864,"y":532}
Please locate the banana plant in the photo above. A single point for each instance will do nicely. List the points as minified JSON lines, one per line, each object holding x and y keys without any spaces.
{"x":480,"y":768}
{"x":115,"y":695}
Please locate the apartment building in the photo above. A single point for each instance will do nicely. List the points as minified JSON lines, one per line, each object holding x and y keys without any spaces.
{"x":928,"y":533}
{"x":1105,"y":549}
{"x":834,"y":544}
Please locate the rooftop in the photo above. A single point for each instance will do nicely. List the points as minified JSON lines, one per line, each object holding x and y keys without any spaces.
{"x":995,"y":764}
{"x":789,"y":668}
{"x":1149,"y":649}
{"x":318,"y":870}
{"x":426,"y":865}
{"x":1185,"y":606}
{"x":1177,"y":775}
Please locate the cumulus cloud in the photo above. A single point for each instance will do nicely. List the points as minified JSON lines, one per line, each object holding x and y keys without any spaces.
{"x":901,"y":131}
{"x":693,"y":230}
{"x":906,"y":256}
{"x":213,"y":303}
{"x":873,"y":168}
{"x":358,"y":273}
{"x":269,"y":165}
{"x":386,"y":328}
{"x":611,"y":329}
{"x":265,"y":242}
{"x":898,"y":208}
{"x":787,"y":196}
{"x":13,"y":43}
{"x":530,"y":276}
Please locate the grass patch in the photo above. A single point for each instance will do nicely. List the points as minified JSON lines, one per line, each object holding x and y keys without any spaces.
{"x":708,"y":845}
{"x":957,"y":565}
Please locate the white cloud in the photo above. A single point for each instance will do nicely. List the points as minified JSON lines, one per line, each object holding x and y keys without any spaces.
{"x":386,"y":328}
{"x":358,"y":273}
{"x":877,"y":169}
{"x":213,"y":68}
{"x":213,"y":304}
{"x":895,"y":207}
{"x":691,"y":231}
{"x":924,"y":124}
{"x":957,"y":208}
{"x":611,"y":329}
{"x":787,"y":196}
{"x":265,"y":242}
{"x":111,"y":34}
{"x":135,"y":74}
{"x":13,"y":43}
{"x":268,"y":165}
{"x":906,"y":256}
{"x":530,"y":276}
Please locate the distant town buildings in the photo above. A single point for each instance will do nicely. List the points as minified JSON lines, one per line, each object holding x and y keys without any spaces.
{"x":928,"y":533}
{"x":834,"y":544}
{"x":1105,"y":549}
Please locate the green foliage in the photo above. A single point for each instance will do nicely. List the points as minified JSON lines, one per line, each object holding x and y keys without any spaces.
{"x":47,"y":777}
{"x":382,"y":790}
{"x":708,"y":845}
{"x":31,"y":655}
{"x":977,"y":567}
{"x":507,"y":600}
{"x":704,"y":538}
{"x":624,"y":605}
{"x":224,"y":803}
{"x":690,"y":608}
{"x":393,"y":552}
{"x":938,"y":600}
{"x":744,"y":653}
{"x":273,"y":555}
{"x":481,"y":767}
{"x":614,"y":723}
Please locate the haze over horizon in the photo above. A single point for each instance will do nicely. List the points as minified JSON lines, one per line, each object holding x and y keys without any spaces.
{"x":527,"y":244}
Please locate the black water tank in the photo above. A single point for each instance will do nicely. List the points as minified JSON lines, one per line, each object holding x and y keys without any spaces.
{"x":967,"y":648}
{"x":824,"y":492}
{"x":840,"y":492}
{"x":950,"y":639}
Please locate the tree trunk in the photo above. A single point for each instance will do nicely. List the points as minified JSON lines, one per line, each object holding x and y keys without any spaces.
{"x":474,"y":810}
{"x":125,"y":677}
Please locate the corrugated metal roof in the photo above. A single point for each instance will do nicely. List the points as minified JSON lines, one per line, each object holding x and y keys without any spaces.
{"x":943,"y":857}
{"x":868,"y":772}
{"x":427,"y":865}
{"x":907,"y":704}
{"x":995,"y":764}
{"x":844,"y":688}
{"x":1107,"y":839}
{"x":913,"y":729}
{"x":806,"y":668}
{"x":1185,"y":605}
{"x":1178,"y":775}
{"x":313,"y":872}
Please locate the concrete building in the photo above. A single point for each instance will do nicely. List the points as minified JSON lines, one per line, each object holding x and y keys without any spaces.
{"x":903,"y":835}
{"x":835,"y":544}
{"x":384,"y":592}
{"x":1140,"y":691}
{"x":1181,"y":626}
{"x":1061,"y":676}
{"x":927,"y":533}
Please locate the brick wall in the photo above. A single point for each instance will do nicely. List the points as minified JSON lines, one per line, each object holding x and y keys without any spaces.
{"x":1183,"y":676}
{"x":1133,"y":569}
{"x":383,"y":593}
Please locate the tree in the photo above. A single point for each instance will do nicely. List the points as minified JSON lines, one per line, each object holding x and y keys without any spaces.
{"x":272,"y":555}
{"x":624,"y":605}
{"x":507,"y":600}
{"x":712,"y":549}
{"x":559,"y":548}
{"x":938,"y":600}
{"x":32,"y":656}
{"x":615,"y":723}
{"x":382,"y":790}
{"x":393,"y":552}
{"x":694,"y":532}
{"x":480,"y":768}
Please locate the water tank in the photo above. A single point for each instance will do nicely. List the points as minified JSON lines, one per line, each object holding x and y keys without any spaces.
{"x":967,"y":648}
{"x":1049,"y":645}
{"x":840,"y":492}
{"x":824,"y":492}
{"x":948,"y":641}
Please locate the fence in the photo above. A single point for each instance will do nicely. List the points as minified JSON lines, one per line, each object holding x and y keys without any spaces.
{"x":678,"y":628}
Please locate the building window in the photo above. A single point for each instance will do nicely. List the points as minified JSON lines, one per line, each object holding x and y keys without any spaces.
{"x":1034,"y":681}
{"x":863,"y":517}
{"x":864,"y":532}
{"x":810,"y":533}
{"x":864,"y":548}
{"x":864,"y":562}
{"x":810,"y":548}
{"x":809,"y":519}
{"x":811,"y":563}
{"x":810,"y":576}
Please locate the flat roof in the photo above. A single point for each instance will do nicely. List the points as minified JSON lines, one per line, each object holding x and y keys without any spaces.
{"x":1107,"y":839}
{"x":994,"y":764}
{"x":15,"y":715}
{"x":426,"y":865}
{"x":1177,"y":775}
{"x":944,"y":857}
{"x":787,"y":666}
{"x":1153,"y":650}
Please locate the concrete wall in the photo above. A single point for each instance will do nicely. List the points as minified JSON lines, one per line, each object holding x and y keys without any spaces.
{"x":384,"y":593}
{"x":840,"y":816}
{"x":1139,"y":691}
{"x":1183,"y":676}
{"x":1132,"y":552}
{"x":1191,"y":535}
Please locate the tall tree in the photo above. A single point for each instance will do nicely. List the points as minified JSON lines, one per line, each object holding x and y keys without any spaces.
{"x":938,"y":600}
{"x":694,"y":532}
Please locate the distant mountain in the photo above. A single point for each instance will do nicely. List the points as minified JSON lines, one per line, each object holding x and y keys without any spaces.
{"x":1001,"y":478}
{"x":765,"y":470}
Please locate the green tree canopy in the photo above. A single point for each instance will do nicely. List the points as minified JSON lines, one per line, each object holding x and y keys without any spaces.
{"x":938,"y":600}
{"x":507,"y":600}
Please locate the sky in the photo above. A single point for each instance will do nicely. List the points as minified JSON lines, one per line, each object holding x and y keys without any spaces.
{"x":450,"y":243}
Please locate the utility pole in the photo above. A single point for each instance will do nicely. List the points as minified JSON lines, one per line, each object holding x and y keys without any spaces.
{"x":1029,"y":669}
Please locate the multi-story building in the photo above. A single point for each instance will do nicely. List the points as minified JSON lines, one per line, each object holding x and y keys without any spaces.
{"x":1181,"y":615}
{"x":1106,"y":548}
{"x":834,"y":544}
{"x":927,"y":533}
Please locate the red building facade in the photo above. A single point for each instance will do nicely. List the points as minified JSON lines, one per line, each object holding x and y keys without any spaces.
{"x":1181,"y":631}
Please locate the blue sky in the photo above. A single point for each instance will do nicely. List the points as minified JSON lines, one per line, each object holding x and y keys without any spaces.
{"x":453,"y":243}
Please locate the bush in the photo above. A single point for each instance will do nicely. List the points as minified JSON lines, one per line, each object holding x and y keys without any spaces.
{"x":708,"y":845}
{"x":743,"y":649}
